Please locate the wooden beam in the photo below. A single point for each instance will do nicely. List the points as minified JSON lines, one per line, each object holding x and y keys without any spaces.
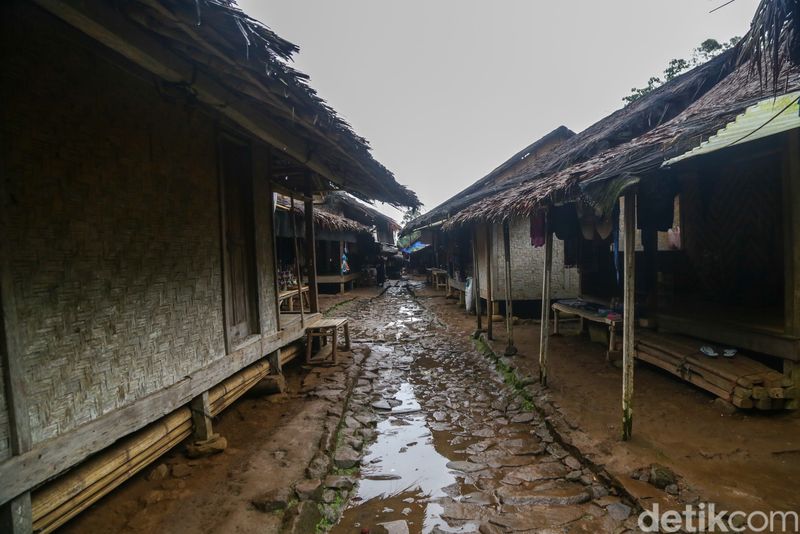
{"x":311,"y":248}
{"x":544,"y":332}
{"x":489,"y":297}
{"x":791,"y":232}
{"x":510,"y":348}
{"x":107,"y":25}
{"x":202,"y":426}
{"x":49,"y":458}
{"x":476,"y":285}
{"x":629,"y":315}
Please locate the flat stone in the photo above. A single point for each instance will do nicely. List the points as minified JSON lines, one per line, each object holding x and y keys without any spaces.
{"x":382,"y":405}
{"x":339,"y":482}
{"x":538,"y":518}
{"x":181,"y":470}
{"x":539,"y":472}
{"x":345,"y":458}
{"x":525,"y":417}
{"x":319,"y":466}
{"x":271,"y":501}
{"x":465,"y":467}
{"x":395,"y":527}
{"x":160,"y":472}
{"x":572,"y":462}
{"x":618,"y":511}
{"x":308,"y":489}
{"x":558,"y":494}
{"x":214,"y":445}
{"x":661,"y":476}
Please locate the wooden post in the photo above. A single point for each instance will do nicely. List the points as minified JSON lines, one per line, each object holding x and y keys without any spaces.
{"x":15,"y":515}
{"x":476,"y":280}
{"x":791,"y":233}
{"x":297,"y":263}
{"x":489,"y":297}
{"x":510,"y":348}
{"x":275,"y":283}
{"x":629,"y":314}
{"x":341,"y":273}
{"x":311,"y":250}
{"x":544,"y":331}
{"x":201,"y":417}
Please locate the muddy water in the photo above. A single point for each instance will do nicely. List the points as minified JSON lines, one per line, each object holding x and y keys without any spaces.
{"x":455,"y":448}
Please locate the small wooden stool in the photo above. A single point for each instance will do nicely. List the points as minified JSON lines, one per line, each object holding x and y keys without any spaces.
{"x":325,"y":328}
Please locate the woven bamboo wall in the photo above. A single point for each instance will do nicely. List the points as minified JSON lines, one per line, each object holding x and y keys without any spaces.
{"x":5,"y":450}
{"x":527,"y":266}
{"x":115,"y":226}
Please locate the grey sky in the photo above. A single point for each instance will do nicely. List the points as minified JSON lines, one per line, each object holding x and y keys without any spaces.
{"x":445,"y":90}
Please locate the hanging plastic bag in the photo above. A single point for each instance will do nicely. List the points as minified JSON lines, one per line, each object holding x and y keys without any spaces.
{"x":468,"y":296}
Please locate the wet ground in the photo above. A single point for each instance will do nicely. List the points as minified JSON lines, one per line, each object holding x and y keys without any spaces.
{"x":455,"y":450}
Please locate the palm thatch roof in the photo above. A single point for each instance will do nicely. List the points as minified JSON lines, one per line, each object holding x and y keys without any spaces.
{"x":323,"y":219}
{"x":211,"y":52}
{"x":597,"y":164}
{"x":340,"y":202}
{"x":501,"y":177}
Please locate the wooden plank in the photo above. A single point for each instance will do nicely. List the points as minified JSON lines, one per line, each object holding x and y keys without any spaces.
{"x":202,"y":426}
{"x":49,"y":458}
{"x":298,"y":274}
{"x":628,"y":342}
{"x":544,"y":332}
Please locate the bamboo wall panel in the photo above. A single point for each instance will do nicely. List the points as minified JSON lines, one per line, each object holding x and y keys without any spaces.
{"x":527,"y":266}
{"x":5,"y":449}
{"x":115,"y":228}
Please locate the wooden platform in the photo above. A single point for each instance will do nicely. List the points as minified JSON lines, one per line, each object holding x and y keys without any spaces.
{"x":757,"y":330}
{"x":341,"y":279}
{"x":740,"y":380}
{"x":586,"y":315}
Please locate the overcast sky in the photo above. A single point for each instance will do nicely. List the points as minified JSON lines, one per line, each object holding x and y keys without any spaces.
{"x":446,"y":90}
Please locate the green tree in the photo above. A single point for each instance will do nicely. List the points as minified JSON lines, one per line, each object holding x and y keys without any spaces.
{"x":411,"y":214}
{"x":707,"y":50}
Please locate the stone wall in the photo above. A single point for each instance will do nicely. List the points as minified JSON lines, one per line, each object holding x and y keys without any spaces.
{"x":113,"y":227}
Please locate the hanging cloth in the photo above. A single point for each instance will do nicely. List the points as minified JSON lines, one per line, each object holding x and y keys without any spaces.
{"x":615,"y":232}
{"x":538,"y":229}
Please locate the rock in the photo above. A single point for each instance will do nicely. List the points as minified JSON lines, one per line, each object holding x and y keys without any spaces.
{"x":465,"y":467}
{"x":488,"y":528}
{"x":339,"y":482}
{"x":525,"y":417}
{"x":725,"y":407}
{"x":618,"y":511}
{"x":308,"y":489}
{"x":562,"y":494}
{"x":301,"y":519}
{"x":328,"y":495}
{"x":394,"y":527}
{"x":572,"y":462}
{"x":181,"y":470}
{"x":160,"y":472}
{"x":538,"y":472}
{"x":598,"y":491}
{"x":213,"y":445}
{"x":382,"y":405}
{"x":319,"y":466}
{"x":672,"y":489}
{"x":574,"y":476}
{"x":271,"y":501}
{"x":661,"y":476}
{"x":345,"y":458}
{"x":173,"y":484}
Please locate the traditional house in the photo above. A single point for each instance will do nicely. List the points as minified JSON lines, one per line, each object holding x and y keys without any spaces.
{"x":712,"y":159}
{"x":142,"y":143}
{"x":504,"y":258}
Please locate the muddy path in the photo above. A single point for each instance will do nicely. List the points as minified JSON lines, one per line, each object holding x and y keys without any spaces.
{"x":454,"y":449}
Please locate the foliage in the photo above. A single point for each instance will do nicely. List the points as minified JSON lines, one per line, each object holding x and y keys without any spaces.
{"x":411,"y":214}
{"x":707,"y":50}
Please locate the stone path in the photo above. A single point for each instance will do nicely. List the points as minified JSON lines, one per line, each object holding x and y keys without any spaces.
{"x":444,"y":445}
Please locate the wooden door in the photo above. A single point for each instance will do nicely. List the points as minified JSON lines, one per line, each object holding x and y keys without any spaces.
{"x":238,"y":241}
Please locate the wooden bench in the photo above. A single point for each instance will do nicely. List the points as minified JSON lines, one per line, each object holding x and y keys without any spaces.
{"x":324,"y":328}
{"x":289,"y":295}
{"x":586,"y":315}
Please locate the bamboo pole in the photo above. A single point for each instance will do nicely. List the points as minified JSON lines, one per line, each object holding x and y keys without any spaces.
{"x":544,"y":333}
{"x":489,"y":297}
{"x":628,"y":315}
{"x":311,"y":249}
{"x":297,"y":264}
{"x":510,"y":348}
{"x":476,"y":282}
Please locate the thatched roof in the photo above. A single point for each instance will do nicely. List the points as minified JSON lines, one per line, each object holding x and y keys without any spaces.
{"x":340,"y":202}
{"x":324,"y":219}
{"x":614,"y":152}
{"x":500,"y":177}
{"x":210,"y":51}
